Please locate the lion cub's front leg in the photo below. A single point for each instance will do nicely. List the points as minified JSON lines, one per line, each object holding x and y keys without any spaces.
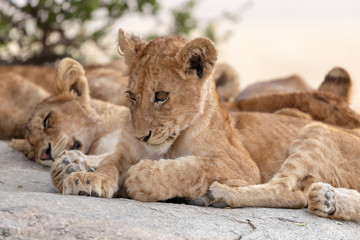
{"x":151,"y":180}
{"x":72,"y":173}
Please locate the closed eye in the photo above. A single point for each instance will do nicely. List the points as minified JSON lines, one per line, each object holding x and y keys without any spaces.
{"x":132,"y":96}
{"x":46,"y":121}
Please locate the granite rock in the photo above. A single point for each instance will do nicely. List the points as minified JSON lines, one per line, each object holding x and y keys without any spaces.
{"x":30,"y":208}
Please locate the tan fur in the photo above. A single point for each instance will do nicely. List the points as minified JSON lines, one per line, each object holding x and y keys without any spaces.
{"x":227,"y":81}
{"x":320,"y":154}
{"x":329,"y":104}
{"x":16,"y":108}
{"x":40,"y":76}
{"x":43,"y":76}
{"x":294,"y":113}
{"x":293,"y":83}
{"x":23,"y":87}
{"x":337,"y":82}
{"x":187,"y":143}
{"x":321,"y":106}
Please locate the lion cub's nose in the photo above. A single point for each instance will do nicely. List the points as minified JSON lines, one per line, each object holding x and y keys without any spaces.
{"x":144,"y":138}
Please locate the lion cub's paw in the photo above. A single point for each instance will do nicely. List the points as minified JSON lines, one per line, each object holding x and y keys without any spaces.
{"x":89,"y":184}
{"x":213,"y":198}
{"x":143,"y":182}
{"x":67,"y":163}
{"x":321,"y":199}
{"x":219,"y":195}
{"x":71,"y":174}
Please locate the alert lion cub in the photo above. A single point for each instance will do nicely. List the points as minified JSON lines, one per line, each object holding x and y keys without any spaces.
{"x":179,"y":141}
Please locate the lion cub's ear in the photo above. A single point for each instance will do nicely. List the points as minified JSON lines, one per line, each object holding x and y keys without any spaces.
{"x":70,"y":78}
{"x":129,"y":45}
{"x":198,"y":57}
{"x":338,"y":82}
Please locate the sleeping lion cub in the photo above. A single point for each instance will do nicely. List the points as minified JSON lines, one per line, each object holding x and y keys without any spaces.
{"x":179,"y":141}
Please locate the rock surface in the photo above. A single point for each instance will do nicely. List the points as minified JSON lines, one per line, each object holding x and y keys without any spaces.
{"x":31,"y":209}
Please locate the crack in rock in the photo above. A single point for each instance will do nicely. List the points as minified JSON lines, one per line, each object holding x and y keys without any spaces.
{"x":8,"y":210}
{"x":253,"y":227}
{"x":160,"y":211}
{"x":5,"y":232}
{"x":285,"y":219}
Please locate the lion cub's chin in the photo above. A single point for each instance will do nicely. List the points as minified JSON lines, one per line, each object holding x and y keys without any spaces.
{"x":158,"y":148}
{"x":47,"y":163}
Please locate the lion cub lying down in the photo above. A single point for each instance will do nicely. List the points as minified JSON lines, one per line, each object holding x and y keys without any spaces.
{"x":337,"y":82}
{"x":291,"y":96}
{"x":179,"y":141}
{"x":23,"y":87}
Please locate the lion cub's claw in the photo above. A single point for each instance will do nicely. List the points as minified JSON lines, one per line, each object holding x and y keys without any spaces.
{"x":321,"y":199}
{"x":198,"y":202}
{"x":207,"y":200}
{"x":219,"y":205}
{"x":215,"y":203}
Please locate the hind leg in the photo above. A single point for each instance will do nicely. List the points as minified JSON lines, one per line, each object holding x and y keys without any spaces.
{"x":284,"y":190}
{"x":327,"y":201}
{"x":287,"y":188}
{"x":308,"y":162}
{"x":276,"y":193}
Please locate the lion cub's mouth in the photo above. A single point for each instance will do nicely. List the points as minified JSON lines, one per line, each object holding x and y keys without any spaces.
{"x":171,"y":137}
{"x":46,"y":154}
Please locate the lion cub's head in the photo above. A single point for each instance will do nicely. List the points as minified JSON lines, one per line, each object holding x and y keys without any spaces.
{"x":61,"y":121}
{"x":169,"y":81}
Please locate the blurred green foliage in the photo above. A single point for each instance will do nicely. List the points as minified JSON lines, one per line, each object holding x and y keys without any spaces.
{"x":184,"y":20}
{"x":38,"y":30}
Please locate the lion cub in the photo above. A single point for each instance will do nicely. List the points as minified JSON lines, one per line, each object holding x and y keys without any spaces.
{"x":291,"y":96}
{"x":177,"y":140}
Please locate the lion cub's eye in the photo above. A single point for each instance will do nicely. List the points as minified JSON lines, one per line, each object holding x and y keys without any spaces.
{"x":132,"y":96}
{"x":46,"y":121}
{"x":161,"y":96}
